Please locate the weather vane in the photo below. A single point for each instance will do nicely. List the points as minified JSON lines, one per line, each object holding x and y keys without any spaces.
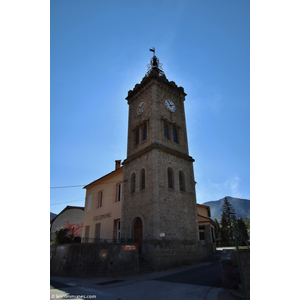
{"x":154,"y":64}
{"x":153,"y":50}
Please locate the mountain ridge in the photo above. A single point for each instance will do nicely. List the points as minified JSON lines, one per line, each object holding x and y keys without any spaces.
{"x":241,"y":207}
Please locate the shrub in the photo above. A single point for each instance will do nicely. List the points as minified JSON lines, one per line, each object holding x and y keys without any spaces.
{"x":61,"y":236}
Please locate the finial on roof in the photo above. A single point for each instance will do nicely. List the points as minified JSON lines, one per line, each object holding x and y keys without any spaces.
{"x":154,"y":64}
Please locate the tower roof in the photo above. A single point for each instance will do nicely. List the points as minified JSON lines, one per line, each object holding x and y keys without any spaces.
{"x":155,"y":70}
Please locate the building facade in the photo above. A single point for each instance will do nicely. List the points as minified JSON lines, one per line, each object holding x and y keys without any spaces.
{"x":101,"y":221}
{"x":206,"y":227}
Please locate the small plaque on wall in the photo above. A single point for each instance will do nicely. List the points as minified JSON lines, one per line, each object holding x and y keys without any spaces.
{"x":130,"y":247}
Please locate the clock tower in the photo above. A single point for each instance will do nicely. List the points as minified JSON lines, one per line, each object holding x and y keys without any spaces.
{"x":159,"y":203}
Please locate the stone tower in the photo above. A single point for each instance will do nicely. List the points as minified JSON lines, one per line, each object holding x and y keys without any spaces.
{"x":159,"y":202}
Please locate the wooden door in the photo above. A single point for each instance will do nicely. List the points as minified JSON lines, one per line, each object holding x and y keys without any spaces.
{"x":138,"y":233}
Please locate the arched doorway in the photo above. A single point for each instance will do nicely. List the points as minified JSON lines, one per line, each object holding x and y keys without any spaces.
{"x":138,"y":233}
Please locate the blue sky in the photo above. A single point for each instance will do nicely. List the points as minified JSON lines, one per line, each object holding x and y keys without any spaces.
{"x":99,"y":51}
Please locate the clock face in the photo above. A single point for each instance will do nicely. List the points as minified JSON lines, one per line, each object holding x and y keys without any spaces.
{"x":170,"y":105}
{"x":140,"y":108}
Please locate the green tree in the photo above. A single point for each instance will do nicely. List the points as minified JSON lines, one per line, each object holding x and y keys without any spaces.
{"x":247,"y":222}
{"x":227,"y":221}
{"x":242,"y":232}
{"x":217,"y":231}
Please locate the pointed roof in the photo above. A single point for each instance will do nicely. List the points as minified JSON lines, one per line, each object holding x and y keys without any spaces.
{"x":66,"y":208}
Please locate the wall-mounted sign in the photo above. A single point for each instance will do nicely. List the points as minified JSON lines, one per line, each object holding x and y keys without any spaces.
{"x":162,"y":234}
{"x":130,"y":247}
{"x":108,"y":215}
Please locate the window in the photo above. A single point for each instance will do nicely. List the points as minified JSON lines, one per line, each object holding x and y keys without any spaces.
{"x":100,"y":196}
{"x":175,"y":134}
{"x":166,"y":130}
{"x":181,"y":181}
{"x":144,"y":131}
{"x":97,"y":231}
{"x":143,"y":183}
{"x":140,"y":130}
{"x":87,"y":233}
{"x":202,"y":236}
{"x":137,"y":136}
{"x":132,"y":183}
{"x":119,"y":192}
{"x":89,"y":203}
{"x":171,"y":131}
{"x":170,"y":178}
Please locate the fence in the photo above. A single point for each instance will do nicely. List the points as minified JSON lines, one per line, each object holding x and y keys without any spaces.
{"x":104,"y":241}
{"x":96,"y":240}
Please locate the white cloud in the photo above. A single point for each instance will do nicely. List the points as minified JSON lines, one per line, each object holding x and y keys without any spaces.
{"x":228,"y":188}
{"x":215,"y":191}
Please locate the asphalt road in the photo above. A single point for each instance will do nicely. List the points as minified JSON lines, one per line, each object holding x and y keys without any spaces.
{"x":57,"y":285}
{"x":208,"y":274}
{"x":200,"y":282}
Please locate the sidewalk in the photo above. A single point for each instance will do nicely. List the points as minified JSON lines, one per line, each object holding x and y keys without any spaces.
{"x":137,"y":287}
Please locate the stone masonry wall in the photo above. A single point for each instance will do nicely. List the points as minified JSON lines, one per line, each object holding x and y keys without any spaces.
{"x":162,"y":210}
{"x":177,"y":209}
{"x":141,"y":203}
{"x":165,"y":254}
{"x":93,"y":260}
